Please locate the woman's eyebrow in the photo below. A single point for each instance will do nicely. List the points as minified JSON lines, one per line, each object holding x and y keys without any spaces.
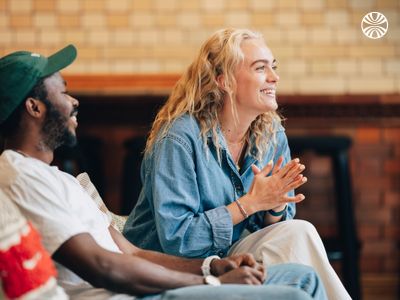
{"x":266,"y":61}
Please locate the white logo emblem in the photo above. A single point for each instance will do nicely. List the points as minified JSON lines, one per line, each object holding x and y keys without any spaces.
{"x":35,"y":55}
{"x":374,"y":25}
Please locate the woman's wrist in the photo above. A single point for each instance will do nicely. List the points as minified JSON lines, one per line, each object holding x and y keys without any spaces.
{"x":278,"y":211}
{"x":248,"y":204}
{"x":279,"y":208}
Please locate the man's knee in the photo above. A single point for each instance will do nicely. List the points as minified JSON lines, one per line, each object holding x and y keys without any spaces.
{"x":294,"y":268}
{"x":307,"y":279}
{"x":237,"y":292}
{"x":292,"y":272}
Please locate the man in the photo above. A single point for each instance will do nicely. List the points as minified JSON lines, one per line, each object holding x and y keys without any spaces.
{"x":95,"y":261}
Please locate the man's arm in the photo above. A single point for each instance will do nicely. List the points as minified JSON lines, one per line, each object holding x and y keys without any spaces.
{"x":117,"y":272}
{"x":128,"y":273}
{"x":218,"y":267}
{"x":171,"y":262}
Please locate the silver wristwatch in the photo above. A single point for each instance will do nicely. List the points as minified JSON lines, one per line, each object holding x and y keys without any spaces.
{"x":212,"y":280}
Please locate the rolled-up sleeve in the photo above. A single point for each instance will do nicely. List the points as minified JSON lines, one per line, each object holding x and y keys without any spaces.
{"x":184,"y":227}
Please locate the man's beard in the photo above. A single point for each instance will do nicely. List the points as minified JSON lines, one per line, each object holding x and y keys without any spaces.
{"x":55,"y":129}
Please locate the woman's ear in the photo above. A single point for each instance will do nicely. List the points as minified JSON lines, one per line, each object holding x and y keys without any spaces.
{"x":221,"y":81}
{"x":34,"y":107}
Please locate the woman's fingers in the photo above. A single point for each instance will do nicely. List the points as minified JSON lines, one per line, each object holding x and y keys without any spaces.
{"x":296,"y":183}
{"x":294,"y":199}
{"x":265,"y":171}
{"x":289,"y":166}
{"x":277,"y":165}
{"x":291,"y":169}
{"x":294,"y":172}
{"x":255,"y":170}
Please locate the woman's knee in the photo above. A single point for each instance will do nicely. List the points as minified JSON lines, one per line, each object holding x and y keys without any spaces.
{"x":301,"y":227}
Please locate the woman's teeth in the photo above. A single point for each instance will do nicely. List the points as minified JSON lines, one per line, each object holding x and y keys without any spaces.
{"x":268,"y":91}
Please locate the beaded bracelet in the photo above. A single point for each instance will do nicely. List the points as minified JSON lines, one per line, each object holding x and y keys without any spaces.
{"x":242,"y":210}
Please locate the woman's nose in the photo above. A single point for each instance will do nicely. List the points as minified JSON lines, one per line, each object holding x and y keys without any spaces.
{"x":272,"y":76}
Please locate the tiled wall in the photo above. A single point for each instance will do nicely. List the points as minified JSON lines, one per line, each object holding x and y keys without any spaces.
{"x":319,"y":43}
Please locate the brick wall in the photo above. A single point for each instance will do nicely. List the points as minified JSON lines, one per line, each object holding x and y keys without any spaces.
{"x":375,"y":166}
{"x":319,"y":43}
{"x":375,"y":169}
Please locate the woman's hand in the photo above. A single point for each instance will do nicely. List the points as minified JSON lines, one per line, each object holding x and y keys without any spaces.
{"x":270,"y":192}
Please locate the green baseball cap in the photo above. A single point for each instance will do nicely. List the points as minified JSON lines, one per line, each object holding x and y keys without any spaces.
{"x":21,"y":70}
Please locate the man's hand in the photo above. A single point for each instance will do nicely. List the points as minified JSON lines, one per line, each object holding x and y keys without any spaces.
{"x":222,"y":266}
{"x":243,"y":275}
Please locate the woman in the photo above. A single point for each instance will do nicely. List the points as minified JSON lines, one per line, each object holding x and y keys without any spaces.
{"x":217,"y":165}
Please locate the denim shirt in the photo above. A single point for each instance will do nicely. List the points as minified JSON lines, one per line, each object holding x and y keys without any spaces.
{"x":182,"y":209}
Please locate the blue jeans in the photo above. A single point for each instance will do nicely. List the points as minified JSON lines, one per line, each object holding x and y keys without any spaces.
{"x":284,"y":281}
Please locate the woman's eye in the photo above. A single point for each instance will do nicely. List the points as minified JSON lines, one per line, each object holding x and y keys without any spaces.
{"x":274,"y":68}
{"x":260,"y":68}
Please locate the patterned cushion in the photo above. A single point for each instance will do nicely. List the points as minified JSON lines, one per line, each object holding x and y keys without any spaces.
{"x":117,"y":221}
{"x":26,"y":269}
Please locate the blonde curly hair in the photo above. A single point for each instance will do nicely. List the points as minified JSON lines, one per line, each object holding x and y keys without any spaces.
{"x":198,"y":93}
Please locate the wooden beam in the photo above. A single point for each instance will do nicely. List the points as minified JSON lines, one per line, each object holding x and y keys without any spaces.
{"x":121,"y":84}
{"x":161,"y":85}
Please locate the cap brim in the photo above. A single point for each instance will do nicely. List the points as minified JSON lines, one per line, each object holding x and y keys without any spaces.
{"x":59,"y":60}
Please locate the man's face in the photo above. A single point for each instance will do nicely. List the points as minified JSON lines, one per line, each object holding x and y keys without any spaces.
{"x":61,"y":116}
{"x":256,"y":79}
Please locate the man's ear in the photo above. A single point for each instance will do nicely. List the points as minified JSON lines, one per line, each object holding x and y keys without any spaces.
{"x":34,"y":107}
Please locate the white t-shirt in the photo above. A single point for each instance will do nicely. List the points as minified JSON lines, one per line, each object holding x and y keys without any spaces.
{"x":59,"y":208}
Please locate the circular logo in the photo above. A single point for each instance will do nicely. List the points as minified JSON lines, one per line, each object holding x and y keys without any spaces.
{"x":374,"y":25}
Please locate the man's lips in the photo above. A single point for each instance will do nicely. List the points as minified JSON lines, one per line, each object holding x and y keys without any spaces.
{"x":74,"y":116}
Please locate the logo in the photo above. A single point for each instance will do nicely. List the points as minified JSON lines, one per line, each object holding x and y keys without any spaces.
{"x":374,"y":25}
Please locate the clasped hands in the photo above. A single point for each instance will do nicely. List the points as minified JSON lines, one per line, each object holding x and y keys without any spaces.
{"x":242,"y":269}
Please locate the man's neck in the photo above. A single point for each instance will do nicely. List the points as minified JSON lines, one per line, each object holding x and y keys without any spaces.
{"x":37,"y":150}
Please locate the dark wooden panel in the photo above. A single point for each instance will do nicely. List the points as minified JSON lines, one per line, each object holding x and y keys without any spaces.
{"x":140,"y":110}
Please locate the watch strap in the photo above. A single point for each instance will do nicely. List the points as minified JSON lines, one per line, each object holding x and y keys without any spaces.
{"x":277,"y":213}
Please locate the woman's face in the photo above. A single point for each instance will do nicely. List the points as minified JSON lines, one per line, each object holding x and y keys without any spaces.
{"x":256,"y":79}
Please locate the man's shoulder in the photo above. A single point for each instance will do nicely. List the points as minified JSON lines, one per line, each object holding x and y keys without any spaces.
{"x":26,"y":174}
{"x":8,"y":168}
{"x":14,"y":164}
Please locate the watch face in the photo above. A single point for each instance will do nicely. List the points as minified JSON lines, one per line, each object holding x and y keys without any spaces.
{"x":212,"y":280}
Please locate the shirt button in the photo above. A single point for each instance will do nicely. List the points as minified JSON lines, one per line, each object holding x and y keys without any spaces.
{"x":221,"y":253}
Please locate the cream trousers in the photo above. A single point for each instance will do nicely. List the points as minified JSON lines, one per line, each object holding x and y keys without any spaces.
{"x":293,"y":241}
